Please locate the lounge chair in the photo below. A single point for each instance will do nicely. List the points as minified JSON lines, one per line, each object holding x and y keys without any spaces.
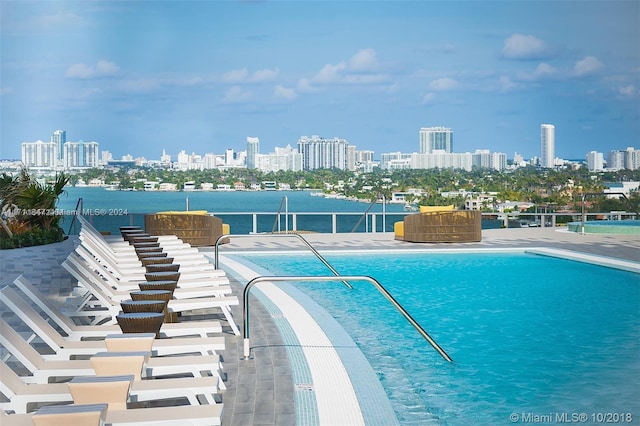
{"x":80,"y":332}
{"x":42,"y":370}
{"x":212,"y":287}
{"x":174,"y":305}
{"x":201,"y":415}
{"x":61,"y":346}
{"x":125,"y":274}
{"x":20,"y":394}
{"x":118,"y":248}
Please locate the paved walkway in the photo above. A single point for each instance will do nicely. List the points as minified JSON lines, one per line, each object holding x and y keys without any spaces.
{"x":261,"y":391}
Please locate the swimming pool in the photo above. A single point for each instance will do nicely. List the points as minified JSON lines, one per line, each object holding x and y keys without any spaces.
{"x":530,"y":335}
{"x":624,"y":227}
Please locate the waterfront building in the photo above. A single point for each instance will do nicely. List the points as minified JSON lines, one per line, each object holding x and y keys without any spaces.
{"x":364,"y":156}
{"x":595,"y":161}
{"x":547,"y":145}
{"x":632,"y":159}
{"x":489,"y":160}
{"x":59,"y":137}
{"x":253,"y":150}
{"x":285,"y":159}
{"x":440,"y":159}
{"x":40,"y":154}
{"x":436,"y":139}
{"x":105,"y":157}
{"x":321,"y":153}
{"x":395,"y":160}
{"x":627,"y":159}
{"x":165,"y":159}
{"x":80,"y":155}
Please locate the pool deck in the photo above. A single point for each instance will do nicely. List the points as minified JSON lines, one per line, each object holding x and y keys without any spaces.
{"x":261,"y":391}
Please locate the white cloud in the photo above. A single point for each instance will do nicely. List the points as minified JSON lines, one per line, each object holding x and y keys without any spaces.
{"x":84,"y":71}
{"x":443,"y":84}
{"x":243,"y":76}
{"x":235,"y":76}
{"x":305,"y":86}
{"x":542,"y":71}
{"x":587,"y":66}
{"x":359,"y":69}
{"x":282,"y":92}
{"x":364,"y":60}
{"x":428,"y":98}
{"x":521,"y":46}
{"x":329,"y":73}
{"x":237,"y":94}
{"x":627,"y":91}
{"x":263,"y":76}
{"x":505,"y":83}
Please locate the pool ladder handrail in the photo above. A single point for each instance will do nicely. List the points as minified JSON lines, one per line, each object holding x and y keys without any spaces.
{"x":371,"y":280}
{"x":324,"y":261}
{"x":285,"y":201}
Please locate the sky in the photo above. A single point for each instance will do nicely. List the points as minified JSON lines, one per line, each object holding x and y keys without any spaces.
{"x":201,"y":76}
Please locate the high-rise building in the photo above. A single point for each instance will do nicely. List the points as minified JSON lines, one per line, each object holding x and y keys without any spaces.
{"x":595,"y":161}
{"x":547,"y":145}
{"x":80,"y":155}
{"x":40,"y":154}
{"x":253,"y":149}
{"x":59,"y":137}
{"x":321,"y":153}
{"x":436,"y":138}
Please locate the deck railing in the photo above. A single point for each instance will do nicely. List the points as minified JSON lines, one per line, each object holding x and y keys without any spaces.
{"x":342,"y":222}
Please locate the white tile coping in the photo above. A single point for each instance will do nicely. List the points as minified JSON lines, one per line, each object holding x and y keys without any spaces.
{"x":336,"y":399}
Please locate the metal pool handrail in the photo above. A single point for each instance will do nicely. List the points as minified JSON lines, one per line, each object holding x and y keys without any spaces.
{"x":300,"y":237}
{"x":377,"y":285}
{"x":285,"y":201}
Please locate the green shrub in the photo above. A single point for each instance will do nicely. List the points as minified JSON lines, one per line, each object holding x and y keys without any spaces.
{"x":33,"y":237}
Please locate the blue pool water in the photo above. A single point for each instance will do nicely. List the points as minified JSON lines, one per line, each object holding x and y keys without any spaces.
{"x":529,"y":335}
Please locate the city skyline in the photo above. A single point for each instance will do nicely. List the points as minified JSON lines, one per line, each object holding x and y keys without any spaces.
{"x":141,"y":76}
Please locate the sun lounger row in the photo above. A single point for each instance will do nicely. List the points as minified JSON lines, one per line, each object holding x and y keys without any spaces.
{"x":109,"y":281}
{"x":90,"y":361}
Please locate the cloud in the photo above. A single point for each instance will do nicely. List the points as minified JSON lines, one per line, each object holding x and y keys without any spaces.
{"x":282,"y":92}
{"x":358,"y":69}
{"x":84,"y":71}
{"x":543,"y":71}
{"x":235,"y":76}
{"x":627,"y":91}
{"x":363,"y":60}
{"x":443,"y":84}
{"x":243,"y":76}
{"x":5,"y":90}
{"x":264,"y":76}
{"x":588,"y":66}
{"x":505,"y":84}
{"x":521,"y":46}
{"x":428,"y":98}
{"x":330,"y":73}
{"x":236,"y":95}
{"x":305,"y":86}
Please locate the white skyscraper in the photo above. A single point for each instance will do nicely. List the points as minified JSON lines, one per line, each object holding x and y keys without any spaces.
{"x":547,"y":145}
{"x":595,"y":161}
{"x":436,"y":139}
{"x":253,"y":149}
{"x":81,"y":155}
{"x":59,"y":137}
{"x":321,"y":153}
{"x":40,"y":154}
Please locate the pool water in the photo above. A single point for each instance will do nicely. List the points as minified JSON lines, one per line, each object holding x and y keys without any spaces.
{"x":623,"y":227}
{"x":529,"y":335}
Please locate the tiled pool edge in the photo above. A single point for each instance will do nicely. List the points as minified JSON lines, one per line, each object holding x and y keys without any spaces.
{"x":373,"y":402}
